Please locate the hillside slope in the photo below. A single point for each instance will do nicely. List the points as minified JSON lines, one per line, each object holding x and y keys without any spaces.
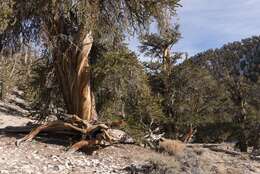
{"x":48,"y":155}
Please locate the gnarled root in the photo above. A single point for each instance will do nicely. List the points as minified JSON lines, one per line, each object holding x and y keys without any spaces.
{"x":83,"y":143}
{"x":93,"y":134}
{"x":51,"y":125}
{"x":96,"y":141}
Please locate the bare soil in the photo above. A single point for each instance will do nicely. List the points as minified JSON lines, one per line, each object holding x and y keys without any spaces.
{"x":48,"y":155}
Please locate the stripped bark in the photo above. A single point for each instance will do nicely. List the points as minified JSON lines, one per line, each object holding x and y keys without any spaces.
{"x":82,"y":99}
{"x":74,"y":77}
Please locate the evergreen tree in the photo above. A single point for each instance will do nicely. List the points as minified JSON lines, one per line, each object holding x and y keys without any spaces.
{"x":234,"y":66}
{"x":158,"y":47}
{"x":67,"y":30}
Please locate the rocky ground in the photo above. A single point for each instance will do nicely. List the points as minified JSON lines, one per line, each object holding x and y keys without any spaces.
{"x":49,"y":155}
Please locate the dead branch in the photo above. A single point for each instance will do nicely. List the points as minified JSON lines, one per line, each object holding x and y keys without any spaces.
{"x":55,"y":124}
{"x":189,"y":135}
{"x":153,"y":136}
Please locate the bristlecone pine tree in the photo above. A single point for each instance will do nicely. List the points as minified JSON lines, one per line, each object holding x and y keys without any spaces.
{"x":159,"y":47}
{"x":67,"y":29}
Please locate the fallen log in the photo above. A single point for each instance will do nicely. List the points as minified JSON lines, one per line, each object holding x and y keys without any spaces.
{"x":203,"y":145}
{"x":231,"y":152}
{"x":214,"y":147}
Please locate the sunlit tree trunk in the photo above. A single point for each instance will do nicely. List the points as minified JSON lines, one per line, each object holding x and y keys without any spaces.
{"x":167,"y":69}
{"x":166,"y":60}
{"x":75,"y":80}
{"x":81,"y":93}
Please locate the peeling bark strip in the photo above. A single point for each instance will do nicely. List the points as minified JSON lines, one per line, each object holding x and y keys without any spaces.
{"x":82,"y":95}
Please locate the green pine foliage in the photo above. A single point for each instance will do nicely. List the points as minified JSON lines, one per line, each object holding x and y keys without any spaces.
{"x":122,"y":90}
{"x":6,"y":11}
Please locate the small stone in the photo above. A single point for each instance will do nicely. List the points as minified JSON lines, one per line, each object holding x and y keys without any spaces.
{"x":56,"y":168}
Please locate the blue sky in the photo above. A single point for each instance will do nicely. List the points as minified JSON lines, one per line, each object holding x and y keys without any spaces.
{"x":208,"y":24}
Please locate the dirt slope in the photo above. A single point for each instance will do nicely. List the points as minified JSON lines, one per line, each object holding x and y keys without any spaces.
{"x":48,"y":155}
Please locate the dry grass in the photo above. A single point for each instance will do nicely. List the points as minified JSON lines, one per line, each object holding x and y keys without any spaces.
{"x":162,"y":163}
{"x":173,"y":147}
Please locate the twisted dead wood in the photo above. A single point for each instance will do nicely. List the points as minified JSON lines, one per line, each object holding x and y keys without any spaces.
{"x":92,"y":134}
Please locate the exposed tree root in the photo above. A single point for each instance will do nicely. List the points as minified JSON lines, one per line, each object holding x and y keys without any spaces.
{"x":83,"y":143}
{"x":92,"y":134}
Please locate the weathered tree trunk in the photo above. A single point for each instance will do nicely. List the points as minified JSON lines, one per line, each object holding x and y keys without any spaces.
{"x":166,"y":60}
{"x":243,"y":142}
{"x":167,"y":69}
{"x":81,"y":93}
{"x":75,"y":80}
